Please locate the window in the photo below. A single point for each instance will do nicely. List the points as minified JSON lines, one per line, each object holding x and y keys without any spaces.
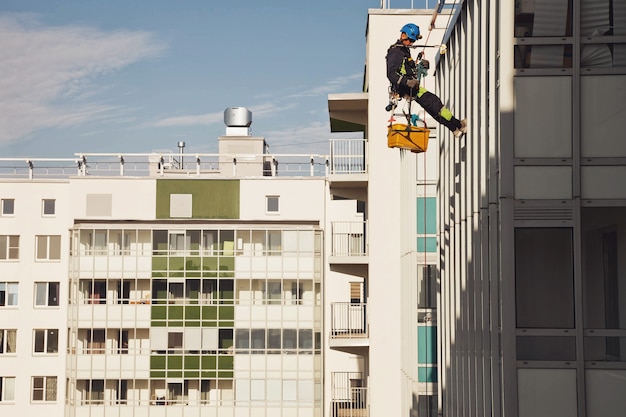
{"x":8,"y":341}
{"x":272,"y":203}
{"x":8,"y":294}
{"x":44,"y":388}
{"x":8,"y":207}
{"x":48,"y":207}
{"x":121,"y":395}
{"x":46,"y":294}
{"x":93,"y":292}
{"x":95,"y":341}
{"x":7,"y":389}
{"x":544,"y":278}
{"x":94,"y":391}
{"x":48,"y":247}
{"x":175,"y":341}
{"x":9,"y":247}
{"x":205,"y":391}
{"x":46,"y":341}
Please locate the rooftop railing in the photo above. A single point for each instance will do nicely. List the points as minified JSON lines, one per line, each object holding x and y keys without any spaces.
{"x":347,"y":156}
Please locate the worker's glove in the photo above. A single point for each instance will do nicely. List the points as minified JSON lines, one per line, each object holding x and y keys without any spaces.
{"x":425,"y":63}
{"x":412,"y":83}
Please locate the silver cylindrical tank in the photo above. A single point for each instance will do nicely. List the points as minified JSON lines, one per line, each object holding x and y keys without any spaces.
{"x":237,"y":117}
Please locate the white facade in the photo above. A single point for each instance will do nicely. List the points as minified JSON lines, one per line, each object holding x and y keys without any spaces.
{"x":139,"y":286}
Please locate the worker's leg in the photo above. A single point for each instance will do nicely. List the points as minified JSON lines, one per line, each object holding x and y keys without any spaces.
{"x":433,"y":106}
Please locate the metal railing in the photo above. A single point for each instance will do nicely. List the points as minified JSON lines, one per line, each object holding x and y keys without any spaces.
{"x":349,"y":238}
{"x":347,"y":156}
{"x":348,"y":320}
{"x":349,"y":395}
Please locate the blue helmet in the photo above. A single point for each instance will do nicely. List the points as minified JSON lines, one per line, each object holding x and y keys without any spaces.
{"x":412,"y":31}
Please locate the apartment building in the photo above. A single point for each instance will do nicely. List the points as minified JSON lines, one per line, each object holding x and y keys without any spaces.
{"x":165,"y":284}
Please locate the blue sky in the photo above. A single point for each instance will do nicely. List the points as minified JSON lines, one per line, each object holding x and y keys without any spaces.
{"x":135,"y":76}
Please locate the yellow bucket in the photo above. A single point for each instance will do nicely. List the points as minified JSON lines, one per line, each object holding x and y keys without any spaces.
{"x":414,"y":139}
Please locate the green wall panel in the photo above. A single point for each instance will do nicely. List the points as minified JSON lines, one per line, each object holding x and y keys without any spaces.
{"x":192,"y":313}
{"x":209,"y":312}
{"x":175,"y":313}
{"x":427,"y":344}
{"x":428,"y":374}
{"x":427,"y":215}
{"x":174,"y":362}
{"x":209,"y":362}
{"x":211,"y":199}
{"x":159,"y":312}
{"x":192,"y":362}
{"x":157,"y":362}
{"x":225,"y":362}
{"x":428,"y":244}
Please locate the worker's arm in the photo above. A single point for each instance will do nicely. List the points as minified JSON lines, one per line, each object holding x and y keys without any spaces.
{"x":394,"y":62}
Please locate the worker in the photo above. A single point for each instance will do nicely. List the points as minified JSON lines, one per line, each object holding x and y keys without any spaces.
{"x":403,"y":74}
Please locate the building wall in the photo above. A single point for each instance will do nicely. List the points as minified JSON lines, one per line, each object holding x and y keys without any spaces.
{"x":530,"y":202}
{"x":167,"y":304}
{"x":31,"y":359}
{"x":394,"y":386}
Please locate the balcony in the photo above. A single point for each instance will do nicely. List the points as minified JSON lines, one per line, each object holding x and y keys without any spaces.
{"x":349,"y":243}
{"x":348,"y":168}
{"x":349,"y":395}
{"x":349,"y":328}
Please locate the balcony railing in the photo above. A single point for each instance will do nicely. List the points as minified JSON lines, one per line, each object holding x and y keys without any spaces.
{"x":349,"y":239}
{"x":347,"y":156}
{"x":348,"y":320}
{"x":349,"y":395}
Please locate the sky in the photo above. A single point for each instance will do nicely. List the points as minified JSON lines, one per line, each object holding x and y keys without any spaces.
{"x":133,"y":76}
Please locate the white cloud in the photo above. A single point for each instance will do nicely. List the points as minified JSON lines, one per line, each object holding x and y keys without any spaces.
{"x":258,"y":111}
{"x":190,"y":120}
{"x":331,"y":86}
{"x":47,"y":72}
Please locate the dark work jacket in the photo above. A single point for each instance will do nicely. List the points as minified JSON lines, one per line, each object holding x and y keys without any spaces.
{"x":400,"y":67}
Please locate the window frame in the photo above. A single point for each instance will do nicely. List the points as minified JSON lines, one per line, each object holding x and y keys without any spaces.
{"x":46,"y":342}
{"x":43,"y":207}
{"x":268,"y":199}
{"x":3,"y":389}
{"x":6,"y":256}
{"x":4,"y":298}
{"x":3,"y":212}
{"x":4,"y":342}
{"x":48,"y":246}
{"x":43,"y":389}
{"x":47,"y":294}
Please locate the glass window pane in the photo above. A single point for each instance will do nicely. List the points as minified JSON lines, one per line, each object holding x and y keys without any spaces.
{"x":48,"y":207}
{"x":53,"y":293}
{"x":9,"y":389}
{"x":39,"y":340}
{"x":51,"y":388}
{"x":12,"y":290}
{"x":3,"y":246}
{"x":55,"y":247}
{"x":544,"y":278}
{"x":8,"y":206}
{"x":42,"y":247}
{"x":603,"y":249}
{"x":546,"y":348}
{"x":41,"y":289}
{"x":272,"y":204}
{"x":53,"y":341}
